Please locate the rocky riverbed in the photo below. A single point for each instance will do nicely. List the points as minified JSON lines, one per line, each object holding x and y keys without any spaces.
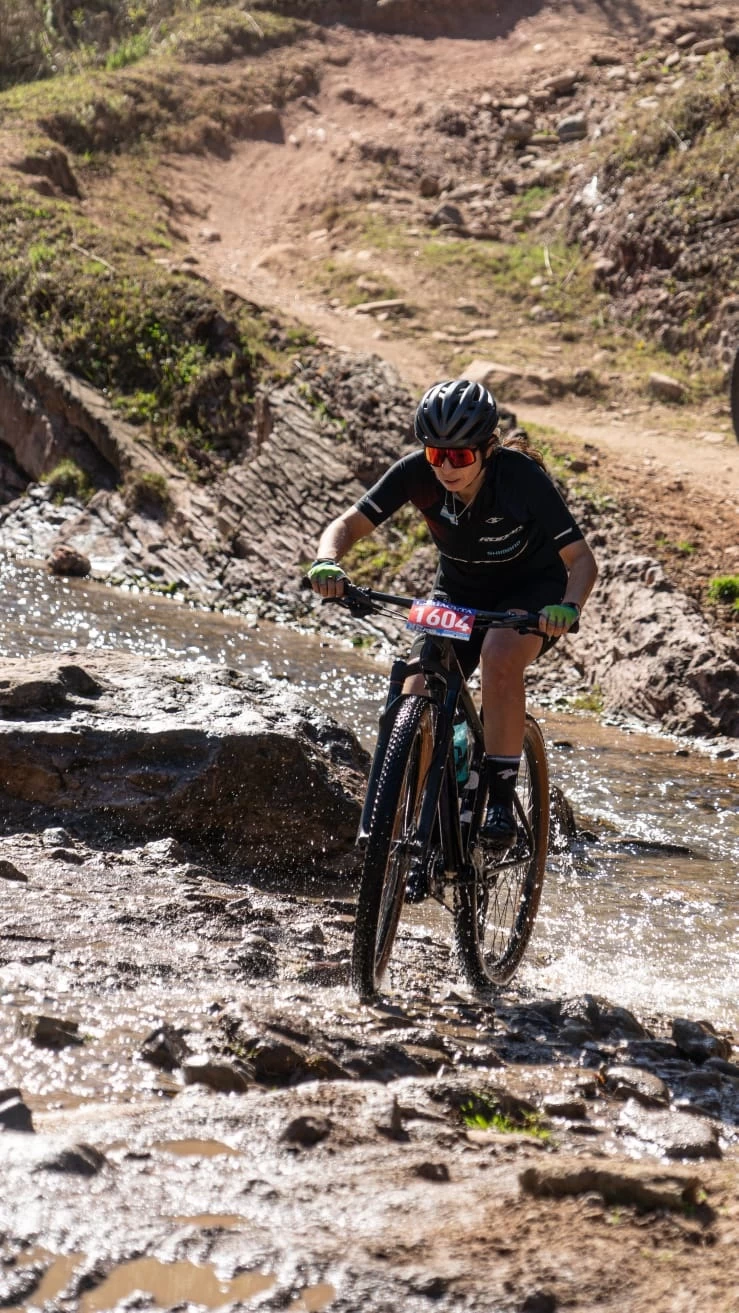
{"x":195,"y":1107}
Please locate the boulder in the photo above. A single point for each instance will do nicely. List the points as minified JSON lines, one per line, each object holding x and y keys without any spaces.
{"x":666,"y":388}
{"x":572,"y":128}
{"x":66,"y":560}
{"x":201,"y":753}
{"x":447,"y":214}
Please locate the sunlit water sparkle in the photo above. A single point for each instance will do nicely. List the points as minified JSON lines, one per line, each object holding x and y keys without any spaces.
{"x":656,"y":931}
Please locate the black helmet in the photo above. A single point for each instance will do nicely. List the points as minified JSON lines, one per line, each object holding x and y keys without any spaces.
{"x":456,"y":414}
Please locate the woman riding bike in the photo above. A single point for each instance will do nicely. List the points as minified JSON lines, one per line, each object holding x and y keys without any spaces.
{"x":506,"y":541}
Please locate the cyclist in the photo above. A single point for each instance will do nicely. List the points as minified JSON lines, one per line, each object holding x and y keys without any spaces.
{"x":506,"y":541}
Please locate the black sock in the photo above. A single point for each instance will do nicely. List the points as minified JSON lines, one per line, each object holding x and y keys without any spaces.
{"x":502,"y":773}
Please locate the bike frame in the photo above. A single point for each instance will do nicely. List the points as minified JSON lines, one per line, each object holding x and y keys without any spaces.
{"x":447,"y":690}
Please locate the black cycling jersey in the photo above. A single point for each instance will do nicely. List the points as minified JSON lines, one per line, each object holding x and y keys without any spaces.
{"x":509,"y":536}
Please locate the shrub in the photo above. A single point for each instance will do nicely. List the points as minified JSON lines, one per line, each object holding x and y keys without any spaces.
{"x":148,"y":494}
{"x":724,"y":588}
{"x":68,"y":480}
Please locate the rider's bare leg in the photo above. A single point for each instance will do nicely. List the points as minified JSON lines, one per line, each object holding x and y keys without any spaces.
{"x":505,"y":656}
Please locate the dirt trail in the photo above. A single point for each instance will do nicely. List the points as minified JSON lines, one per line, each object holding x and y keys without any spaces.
{"x":263,"y":224}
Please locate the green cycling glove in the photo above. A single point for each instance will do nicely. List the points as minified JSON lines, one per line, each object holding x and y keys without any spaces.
{"x":323,"y":571}
{"x":561,"y":613}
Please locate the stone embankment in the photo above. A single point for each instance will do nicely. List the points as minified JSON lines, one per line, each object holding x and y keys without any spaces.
{"x":323,"y":437}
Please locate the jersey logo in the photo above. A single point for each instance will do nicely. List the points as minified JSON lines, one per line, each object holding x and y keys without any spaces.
{"x":495,"y":519}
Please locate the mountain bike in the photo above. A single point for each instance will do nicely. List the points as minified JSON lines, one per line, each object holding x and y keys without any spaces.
{"x":425,"y":802}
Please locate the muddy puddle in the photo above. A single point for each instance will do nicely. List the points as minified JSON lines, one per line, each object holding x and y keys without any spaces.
{"x":649,"y":902}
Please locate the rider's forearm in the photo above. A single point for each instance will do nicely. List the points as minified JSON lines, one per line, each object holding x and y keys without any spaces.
{"x":580,"y":579}
{"x":336,"y":540}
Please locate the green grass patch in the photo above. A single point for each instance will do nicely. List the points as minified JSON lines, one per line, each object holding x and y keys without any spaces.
{"x":481,"y":1113}
{"x":725,"y":588}
{"x":496,"y":275}
{"x":42,"y":42}
{"x":340,"y":279}
{"x":148,"y":494}
{"x":115,"y":107}
{"x":531,"y":200}
{"x":171,"y":353}
{"x":592,"y":701}
{"x":67,"y":479}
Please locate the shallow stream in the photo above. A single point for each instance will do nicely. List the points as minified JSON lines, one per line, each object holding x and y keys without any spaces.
{"x":630,"y":916}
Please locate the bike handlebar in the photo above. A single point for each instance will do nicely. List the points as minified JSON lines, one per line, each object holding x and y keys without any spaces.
{"x":367,"y":600}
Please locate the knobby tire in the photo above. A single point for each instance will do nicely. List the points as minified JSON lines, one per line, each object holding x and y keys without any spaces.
{"x":388,"y":853}
{"x":496,"y":906}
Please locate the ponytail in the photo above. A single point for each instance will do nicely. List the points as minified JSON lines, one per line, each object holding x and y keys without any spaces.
{"x":518,"y":440}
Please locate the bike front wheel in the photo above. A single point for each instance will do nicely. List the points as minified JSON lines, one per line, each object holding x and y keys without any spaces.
{"x":393,"y":841}
{"x":497,"y":904}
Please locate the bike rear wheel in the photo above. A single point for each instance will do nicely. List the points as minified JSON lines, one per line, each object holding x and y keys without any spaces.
{"x":496,"y":906}
{"x":392,"y":842}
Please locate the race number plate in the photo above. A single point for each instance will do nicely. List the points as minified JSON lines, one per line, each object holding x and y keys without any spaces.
{"x":442,"y":619}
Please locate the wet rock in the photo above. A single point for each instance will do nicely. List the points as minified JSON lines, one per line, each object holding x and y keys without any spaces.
{"x":625,"y":1184}
{"x":674,"y":1134}
{"x":75,"y":1159}
{"x":597,"y":1019}
{"x":68,"y":855}
{"x":169,"y":850}
{"x":307,"y":1131}
{"x":201,"y":756}
{"x":730,"y":1069}
{"x":698,"y":1040}
{"x":66,"y":560}
{"x":430,"y":1171}
{"x":165,"y":1047}
{"x":217,"y":1073}
{"x":49,"y":1032}
{"x":278,"y":1062}
{"x":38,"y":1154}
{"x":55,"y":836}
{"x":634,"y":1083}
{"x":256,"y":958}
{"x":8,"y":871}
{"x":564,"y":1105}
{"x":33,"y":695}
{"x":79,"y":681}
{"x":14,"y":1114}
